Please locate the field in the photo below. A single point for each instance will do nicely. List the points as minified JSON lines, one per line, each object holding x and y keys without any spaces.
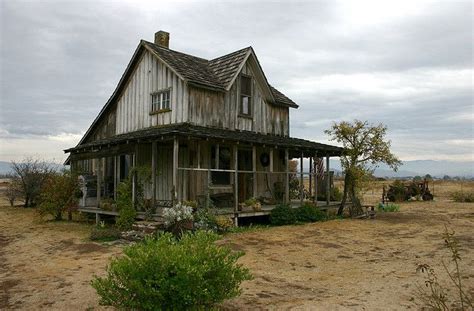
{"x":338,"y":264}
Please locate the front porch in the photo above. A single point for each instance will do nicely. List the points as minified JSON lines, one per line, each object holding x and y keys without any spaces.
{"x":211,"y":166}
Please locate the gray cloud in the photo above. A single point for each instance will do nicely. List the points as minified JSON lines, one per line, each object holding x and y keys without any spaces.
{"x":407,"y":66}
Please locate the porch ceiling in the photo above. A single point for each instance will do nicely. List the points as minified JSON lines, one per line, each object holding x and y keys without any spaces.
{"x":188,"y":130}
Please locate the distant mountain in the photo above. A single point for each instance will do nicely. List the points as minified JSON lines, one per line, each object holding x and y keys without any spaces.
{"x":5,"y":167}
{"x":423,"y":167}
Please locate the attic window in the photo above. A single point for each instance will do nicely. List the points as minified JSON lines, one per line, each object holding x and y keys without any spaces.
{"x":245,"y":95}
{"x":161,"y":101}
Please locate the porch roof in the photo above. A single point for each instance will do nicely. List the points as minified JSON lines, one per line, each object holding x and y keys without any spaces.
{"x":196,"y":131}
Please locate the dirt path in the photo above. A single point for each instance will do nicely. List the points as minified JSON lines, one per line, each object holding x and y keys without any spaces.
{"x":335,"y":265}
{"x":47,"y":265}
{"x":351,"y":264}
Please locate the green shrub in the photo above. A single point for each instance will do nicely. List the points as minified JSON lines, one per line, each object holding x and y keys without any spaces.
{"x":126,"y":218}
{"x":205,"y":219}
{"x":389,"y":207}
{"x":463,"y":197}
{"x":163,"y":273}
{"x":282,"y":215}
{"x":104,"y":233}
{"x":335,"y":195}
{"x":58,"y":194}
{"x":309,"y":213}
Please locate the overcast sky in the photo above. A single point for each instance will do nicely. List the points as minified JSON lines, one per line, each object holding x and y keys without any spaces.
{"x":407,"y":64}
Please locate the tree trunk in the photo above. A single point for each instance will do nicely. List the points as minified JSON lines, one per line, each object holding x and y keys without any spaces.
{"x":69,"y":215}
{"x":344,"y":197}
{"x":27,"y":201}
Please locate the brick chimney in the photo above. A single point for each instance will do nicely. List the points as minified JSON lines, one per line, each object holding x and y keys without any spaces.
{"x":162,"y":38}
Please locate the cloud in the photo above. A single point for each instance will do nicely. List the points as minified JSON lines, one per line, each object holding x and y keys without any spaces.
{"x":408,"y":66}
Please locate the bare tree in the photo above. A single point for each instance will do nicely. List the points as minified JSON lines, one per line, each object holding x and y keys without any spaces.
{"x":13,"y":191}
{"x":31,"y":174}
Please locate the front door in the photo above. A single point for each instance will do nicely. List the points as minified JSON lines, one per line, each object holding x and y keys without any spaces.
{"x":245,"y":179}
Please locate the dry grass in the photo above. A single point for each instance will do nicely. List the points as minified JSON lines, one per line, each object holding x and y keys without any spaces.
{"x":340,"y":264}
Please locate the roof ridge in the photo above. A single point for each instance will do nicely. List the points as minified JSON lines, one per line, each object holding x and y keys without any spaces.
{"x":228,"y":54}
{"x":174,"y":51}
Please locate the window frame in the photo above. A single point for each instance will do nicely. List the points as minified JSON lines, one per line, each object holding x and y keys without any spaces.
{"x":249,"y":96}
{"x":159,"y":106}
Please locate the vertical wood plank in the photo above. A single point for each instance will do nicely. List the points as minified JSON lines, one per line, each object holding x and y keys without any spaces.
{"x":328,"y":182}
{"x":310,"y":188}
{"x":315,"y":180}
{"x":236,"y":185}
{"x":99,"y":181}
{"x":301,"y":179}
{"x":254,"y":168}
{"x":287,"y":177}
{"x":153,"y":172}
{"x":175,"y":168}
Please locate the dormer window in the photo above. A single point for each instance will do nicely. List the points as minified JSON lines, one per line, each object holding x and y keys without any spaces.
{"x":245,"y":95}
{"x":161,"y":101}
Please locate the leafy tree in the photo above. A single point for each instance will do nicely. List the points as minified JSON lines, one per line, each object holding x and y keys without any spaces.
{"x":428,"y":177}
{"x":59,"y":194}
{"x":365,"y":147}
{"x":31,"y":174}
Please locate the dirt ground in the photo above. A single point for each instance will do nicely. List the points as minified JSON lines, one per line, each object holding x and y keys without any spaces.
{"x":334,"y":265}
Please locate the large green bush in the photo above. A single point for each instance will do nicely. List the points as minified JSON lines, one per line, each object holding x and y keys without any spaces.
{"x":309,"y":213}
{"x":282,"y":215}
{"x":164,"y":273}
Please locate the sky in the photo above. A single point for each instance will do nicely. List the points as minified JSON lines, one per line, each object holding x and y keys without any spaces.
{"x":406,"y":64}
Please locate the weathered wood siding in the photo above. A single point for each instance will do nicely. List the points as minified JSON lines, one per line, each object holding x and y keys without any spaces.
{"x":134,"y":104}
{"x":105,"y":128}
{"x":216,"y":109}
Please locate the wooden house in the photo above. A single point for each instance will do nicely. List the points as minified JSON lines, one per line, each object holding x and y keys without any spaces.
{"x":206,"y":129}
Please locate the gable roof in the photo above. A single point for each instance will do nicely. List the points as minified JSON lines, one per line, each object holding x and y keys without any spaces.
{"x":218,"y":73}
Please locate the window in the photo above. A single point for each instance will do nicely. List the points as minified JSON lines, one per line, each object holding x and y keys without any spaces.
{"x":224,"y":154}
{"x":245,"y":95}
{"x":161,"y":101}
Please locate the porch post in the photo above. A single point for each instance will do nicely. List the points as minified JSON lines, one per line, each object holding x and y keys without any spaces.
{"x":175,"y":169}
{"x":115,"y":178}
{"x":301,"y":179}
{"x":254,"y":168}
{"x":310,"y":188}
{"x":134,"y":178}
{"x":271,"y":160}
{"x":328,"y":182}
{"x":153,"y":173}
{"x":236,"y":186}
{"x":315,"y":172}
{"x":287,"y":177}
{"x":99,"y":180}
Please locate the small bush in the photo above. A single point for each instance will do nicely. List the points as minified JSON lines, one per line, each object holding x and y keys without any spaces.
{"x":282,"y":215}
{"x":309,"y":213}
{"x":224,"y":223}
{"x":166,"y":274}
{"x":205,"y":219}
{"x":126,"y":218}
{"x":178,"y":218}
{"x":389,"y":207}
{"x":463,"y":197}
{"x":104,"y":234}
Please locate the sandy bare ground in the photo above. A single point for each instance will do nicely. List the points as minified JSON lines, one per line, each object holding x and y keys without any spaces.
{"x":335,"y":265}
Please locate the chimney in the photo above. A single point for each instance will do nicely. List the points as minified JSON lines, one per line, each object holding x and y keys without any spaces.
{"x":162,"y":38}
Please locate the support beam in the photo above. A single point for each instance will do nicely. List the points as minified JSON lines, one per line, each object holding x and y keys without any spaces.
{"x":287,"y":177}
{"x":301,"y":179}
{"x":310,"y":188}
{"x":217,"y":157}
{"x":271,"y":160}
{"x":328,"y":182}
{"x":175,"y":170}
{"x":115,"y":178}
{"x":153,"y":172}
{"x":99,"y":181}
{"x":254,"y":169}
{"x":134,"y":178}
{"x":316,"y":161}
{"x":236,"y":185}
{"x":198,"y":154}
